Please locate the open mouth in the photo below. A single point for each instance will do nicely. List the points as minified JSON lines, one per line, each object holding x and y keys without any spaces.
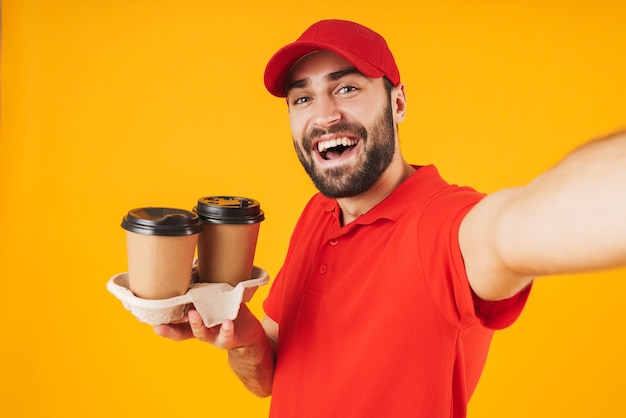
{"x":335,"y":148}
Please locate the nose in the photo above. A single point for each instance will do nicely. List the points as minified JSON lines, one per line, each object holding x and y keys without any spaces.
{"x":326,"y":112}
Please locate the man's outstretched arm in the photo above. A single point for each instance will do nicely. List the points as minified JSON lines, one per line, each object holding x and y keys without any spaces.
{"x":570,"y":219}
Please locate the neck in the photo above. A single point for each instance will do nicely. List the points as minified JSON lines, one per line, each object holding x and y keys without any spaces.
{"x":353,"y":207}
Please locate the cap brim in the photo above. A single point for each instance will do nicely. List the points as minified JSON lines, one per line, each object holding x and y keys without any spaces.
{"x":280,"y":65}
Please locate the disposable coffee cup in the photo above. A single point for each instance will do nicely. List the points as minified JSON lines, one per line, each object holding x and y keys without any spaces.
{"x":161,"y":244}
{"x":227,"y":244}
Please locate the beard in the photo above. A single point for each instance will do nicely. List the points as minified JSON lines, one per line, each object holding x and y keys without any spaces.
{"x":349,"y":181}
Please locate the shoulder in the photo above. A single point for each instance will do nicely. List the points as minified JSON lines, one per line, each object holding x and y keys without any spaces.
{"x":438,"y":199}
{"x":488,"y":273}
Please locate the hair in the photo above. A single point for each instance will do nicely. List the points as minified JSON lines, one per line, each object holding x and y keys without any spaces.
{"x":388,"y":87}
{"x":388,"y":84}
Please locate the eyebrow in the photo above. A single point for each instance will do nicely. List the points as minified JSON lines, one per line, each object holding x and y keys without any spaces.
{"x":334,"y":76}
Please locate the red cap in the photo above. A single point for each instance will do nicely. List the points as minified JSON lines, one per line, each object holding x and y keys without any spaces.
{"x":360,"y":46}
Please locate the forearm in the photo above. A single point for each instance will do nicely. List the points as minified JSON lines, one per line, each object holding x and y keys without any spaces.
{"x":254,"y":365}
{"x":573,"y":217}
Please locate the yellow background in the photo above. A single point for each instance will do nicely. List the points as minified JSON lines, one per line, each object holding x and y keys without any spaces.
{"x":113,"y":104}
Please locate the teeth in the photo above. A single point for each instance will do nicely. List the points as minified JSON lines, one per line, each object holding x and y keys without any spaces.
{"x":325,"y":145}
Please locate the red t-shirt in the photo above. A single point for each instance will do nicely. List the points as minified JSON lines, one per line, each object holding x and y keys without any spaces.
{"x":377,"y":318}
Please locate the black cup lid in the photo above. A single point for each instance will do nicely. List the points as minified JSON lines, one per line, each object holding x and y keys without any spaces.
{"x":162,"y":221}
{"x":229,"y":210}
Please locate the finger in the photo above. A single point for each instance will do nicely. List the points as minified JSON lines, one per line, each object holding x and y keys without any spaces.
{"x":198,"y":329}
{"x":176,"y":332}
{"x":226,"y":335}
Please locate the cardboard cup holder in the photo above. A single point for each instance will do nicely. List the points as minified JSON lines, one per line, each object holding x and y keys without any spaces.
{"x":215,"y":302}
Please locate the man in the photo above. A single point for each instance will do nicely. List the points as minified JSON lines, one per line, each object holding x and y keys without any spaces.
{"x":395,"y":280}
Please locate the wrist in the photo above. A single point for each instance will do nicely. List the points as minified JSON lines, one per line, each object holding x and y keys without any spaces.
{"x":249,"y":350}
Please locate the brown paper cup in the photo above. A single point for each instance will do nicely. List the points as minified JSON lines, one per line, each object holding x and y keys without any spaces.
{"x":161,"y":244}
{"x":226,"y":252}
{"x":159,"y":267}
{"x":227,"y":244}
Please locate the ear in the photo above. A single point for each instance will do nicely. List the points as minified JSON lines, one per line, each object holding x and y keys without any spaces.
{"x":398,"y":100}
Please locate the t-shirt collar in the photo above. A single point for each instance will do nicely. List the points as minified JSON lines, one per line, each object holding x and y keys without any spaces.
{"x":425,"y":180}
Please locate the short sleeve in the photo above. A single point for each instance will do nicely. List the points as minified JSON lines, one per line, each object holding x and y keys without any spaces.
{"x":272,"y":304}
{"x":502,"y":313}
{"x":440,"y":226}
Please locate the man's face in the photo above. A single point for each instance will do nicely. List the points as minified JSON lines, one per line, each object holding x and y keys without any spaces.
{"x":342,"y":124}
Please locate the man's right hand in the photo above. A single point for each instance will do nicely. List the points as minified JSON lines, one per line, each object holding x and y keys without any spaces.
{"x":245,"y":330}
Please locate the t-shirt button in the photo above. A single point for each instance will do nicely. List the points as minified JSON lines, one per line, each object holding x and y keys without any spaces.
{"x":323,"y":269}
{"x":333,"y":241}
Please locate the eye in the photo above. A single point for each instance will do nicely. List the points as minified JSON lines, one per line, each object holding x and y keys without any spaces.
{"x":299,"y":100}
{"x":346,"y":89}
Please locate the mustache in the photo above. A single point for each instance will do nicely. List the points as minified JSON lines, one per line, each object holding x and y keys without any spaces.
{"x":347,"y":128}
